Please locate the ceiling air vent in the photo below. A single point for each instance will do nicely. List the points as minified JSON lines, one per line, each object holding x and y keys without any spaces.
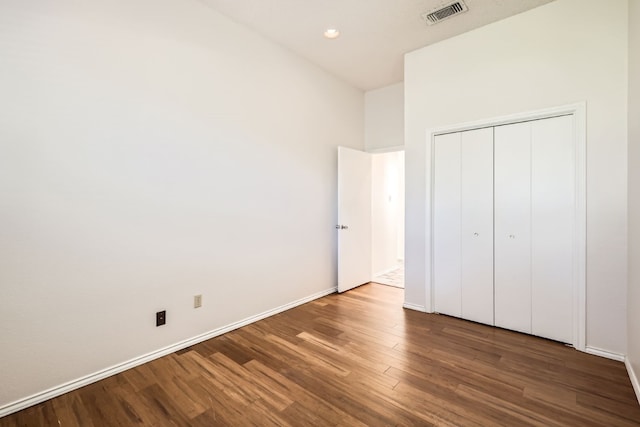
{"x":444,"y":12}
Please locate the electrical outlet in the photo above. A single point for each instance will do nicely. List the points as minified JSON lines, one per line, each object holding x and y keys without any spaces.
{"x":161,"y":318}
{"x":197,"y":301}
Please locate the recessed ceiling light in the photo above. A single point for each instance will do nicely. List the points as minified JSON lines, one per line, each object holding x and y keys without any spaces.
{"x":332,"y":33}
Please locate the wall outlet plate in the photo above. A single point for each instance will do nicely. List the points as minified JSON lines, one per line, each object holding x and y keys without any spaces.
{"x":161,"y":318}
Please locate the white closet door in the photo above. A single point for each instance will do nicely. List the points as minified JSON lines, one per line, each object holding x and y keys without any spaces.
{"x":553,"y":207}
{"x":512,"y":281}
{"x":477,"y":225}
{"x":446,"y":225}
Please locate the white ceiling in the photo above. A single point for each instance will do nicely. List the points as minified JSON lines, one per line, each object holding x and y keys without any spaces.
{"x":375,"y":34}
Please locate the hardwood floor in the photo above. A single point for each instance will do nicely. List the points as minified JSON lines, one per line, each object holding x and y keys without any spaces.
{"x":356,"y":359}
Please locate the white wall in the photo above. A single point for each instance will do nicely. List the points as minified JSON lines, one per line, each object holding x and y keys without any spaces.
{"x":560,"y":53}
{"x":633,"y":298}
{"x":387,"y":210}
{"x":151,"y":151}
{"x":384,"y":117}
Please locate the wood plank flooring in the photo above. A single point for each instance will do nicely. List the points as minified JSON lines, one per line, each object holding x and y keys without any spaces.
{"x":356,"y":359}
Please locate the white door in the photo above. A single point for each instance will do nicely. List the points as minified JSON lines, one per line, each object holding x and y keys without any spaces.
{"x":507,"y":202}
{"x":354,"y":218}
{"x":553,"y":224}
{"x":463,"y":225}
{"x":446,"y":225}
{"x":512,"y":281}
{"x":476,"y":222}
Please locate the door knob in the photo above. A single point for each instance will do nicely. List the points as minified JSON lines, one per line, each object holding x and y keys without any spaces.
{"x":476,"y":234}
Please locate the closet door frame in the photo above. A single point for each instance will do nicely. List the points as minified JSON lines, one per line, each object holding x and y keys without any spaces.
{"x":578,"y":113}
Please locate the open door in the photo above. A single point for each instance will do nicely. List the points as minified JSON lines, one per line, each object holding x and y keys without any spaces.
{"x":354,"y":218}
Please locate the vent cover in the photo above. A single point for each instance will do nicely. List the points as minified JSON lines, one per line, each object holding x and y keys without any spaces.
{"x":444,"y":12}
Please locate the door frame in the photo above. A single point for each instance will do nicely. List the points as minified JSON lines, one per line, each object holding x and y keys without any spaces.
{"x":579,"y":291}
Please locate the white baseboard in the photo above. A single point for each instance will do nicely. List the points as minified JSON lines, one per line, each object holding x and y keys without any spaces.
{"x":415,"y":307}
{"x":388,"y":270}
{"x":633,"y":377}
{"x":26,"y":402}
{"x":604,"y":353}
{"x":382,"y":282}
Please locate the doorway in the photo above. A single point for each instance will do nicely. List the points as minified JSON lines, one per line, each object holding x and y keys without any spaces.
{"x":387,"y":218}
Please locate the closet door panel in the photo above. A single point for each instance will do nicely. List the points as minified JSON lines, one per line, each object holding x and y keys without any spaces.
{"x":512,"y":187}
{"x":477,"y":225}
{"x":446,"y":225}
{"x":553,"y":208}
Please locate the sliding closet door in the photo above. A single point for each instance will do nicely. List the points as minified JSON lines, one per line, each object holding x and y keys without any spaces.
{"x":463,"y":225}
{"x":512,"y":186}
{"x":553,"y":216}
{"x":446,"y":225}
{"x":476,"y":221}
